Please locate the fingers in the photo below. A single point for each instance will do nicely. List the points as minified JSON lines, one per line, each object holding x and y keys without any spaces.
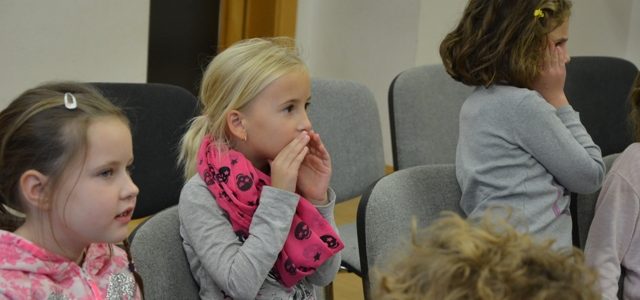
{"x":285,"y":166}
{"x":316,"y":147}
{"x":290,"y":155}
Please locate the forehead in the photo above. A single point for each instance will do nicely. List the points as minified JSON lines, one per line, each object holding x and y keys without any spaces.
{"x":108,"y":138}
{"x":294,"y":85}
{"x":561,"y":32}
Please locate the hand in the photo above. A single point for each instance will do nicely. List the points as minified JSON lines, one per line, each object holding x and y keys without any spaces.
{"x":285,"y":166}
{"x":550,"y":81}
{"x":315,"y":172}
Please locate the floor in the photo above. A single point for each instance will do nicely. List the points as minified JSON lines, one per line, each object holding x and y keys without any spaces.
{"x":347,"y":286}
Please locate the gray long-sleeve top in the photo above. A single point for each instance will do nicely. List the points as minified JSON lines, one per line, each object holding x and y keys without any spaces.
{"x":516,"y":149}
{"x":224,"y":266}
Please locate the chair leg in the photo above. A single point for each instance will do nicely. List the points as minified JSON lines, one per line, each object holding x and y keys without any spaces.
{"x":328,"y":291}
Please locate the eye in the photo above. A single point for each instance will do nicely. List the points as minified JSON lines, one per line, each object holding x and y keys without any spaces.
{"x":130,"y":169}
{"x":289,"y":108}
{"x":306,"y":106}
{"x":106,"y":173}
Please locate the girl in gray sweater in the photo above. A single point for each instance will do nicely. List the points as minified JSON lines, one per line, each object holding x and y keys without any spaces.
{"x":256,"y":214}
{"x":520,"y":144}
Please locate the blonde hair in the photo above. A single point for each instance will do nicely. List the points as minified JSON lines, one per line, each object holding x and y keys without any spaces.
{"x":230,"y":82}
{"x":501,"y":41}
{"x":454,"y":259}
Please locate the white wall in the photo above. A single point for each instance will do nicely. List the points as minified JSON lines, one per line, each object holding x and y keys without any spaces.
{"x":71,"y":40}
{"x":371,"y":41}
{"x":368,"y":41}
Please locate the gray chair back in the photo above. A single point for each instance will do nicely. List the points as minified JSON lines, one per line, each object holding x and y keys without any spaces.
{"x":346,"y":116}
{"x":158,"y":114}
{"x":386,"y":210}
{"x":586,"y":205}
{"x":598,"y":87}
{"x":156,"y":248}
{"x":424,"y":109}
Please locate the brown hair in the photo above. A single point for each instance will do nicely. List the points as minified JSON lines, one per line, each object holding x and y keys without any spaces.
{"x":38,"y":132}
{"x":454,"y":259}
{"x":634,"y":116}
{"x":500,"y":41}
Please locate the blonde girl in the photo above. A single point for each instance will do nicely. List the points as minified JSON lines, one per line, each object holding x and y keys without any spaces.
{"x":256,"y":213}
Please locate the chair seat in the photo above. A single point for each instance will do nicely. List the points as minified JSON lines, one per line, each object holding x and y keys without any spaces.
{"x":350,"y":253}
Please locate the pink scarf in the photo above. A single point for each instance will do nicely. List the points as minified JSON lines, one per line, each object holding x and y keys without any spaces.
{"x":236,"y":185}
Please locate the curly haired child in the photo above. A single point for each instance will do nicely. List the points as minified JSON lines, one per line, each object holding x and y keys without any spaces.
{"x":455,"y":259}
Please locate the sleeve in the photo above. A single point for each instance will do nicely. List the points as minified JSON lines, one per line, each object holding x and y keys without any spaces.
{"x":557,"y":139}
{"x":328,"y":270}
{"x":613,"y":233}
{"x":240,"y":269}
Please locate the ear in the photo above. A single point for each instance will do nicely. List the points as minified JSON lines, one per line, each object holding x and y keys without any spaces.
{"x":33,"y":187}
{"x":236,"y":125}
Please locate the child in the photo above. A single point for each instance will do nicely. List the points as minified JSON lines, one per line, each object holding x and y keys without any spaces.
{"x":613,"y":243}
{"x":65,"y":153}
{"x":455,"y":259}
{"x":256,"y":213}
{"x":520,"y":143}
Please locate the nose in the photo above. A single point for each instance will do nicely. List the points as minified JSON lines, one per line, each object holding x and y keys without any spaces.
{"x":130,"y":190}
{"x":305,"y":123}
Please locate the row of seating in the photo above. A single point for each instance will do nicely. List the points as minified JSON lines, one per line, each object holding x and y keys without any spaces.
{"x":423,"y":109}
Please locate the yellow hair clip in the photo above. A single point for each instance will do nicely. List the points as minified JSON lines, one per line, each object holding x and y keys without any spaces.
{"x":538,"y":13}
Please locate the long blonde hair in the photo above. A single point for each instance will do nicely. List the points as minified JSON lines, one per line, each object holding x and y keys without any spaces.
{"x":230,"y":82}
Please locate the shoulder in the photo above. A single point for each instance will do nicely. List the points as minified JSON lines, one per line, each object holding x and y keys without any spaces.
{"x":504,"y":98}
{"x":628,"y":163}
{"x":194,"y":188}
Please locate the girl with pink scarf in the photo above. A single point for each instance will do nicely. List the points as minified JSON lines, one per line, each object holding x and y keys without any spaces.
{"x":256,"y":214}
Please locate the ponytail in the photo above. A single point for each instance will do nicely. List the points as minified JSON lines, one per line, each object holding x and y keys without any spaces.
{"x":190,"y":144}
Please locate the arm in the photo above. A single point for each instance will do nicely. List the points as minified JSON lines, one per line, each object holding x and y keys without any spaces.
{"x":238,"y":268}
{"x":613,"y":233}
{"x":327,"y":272}
{"x":557,"y":139}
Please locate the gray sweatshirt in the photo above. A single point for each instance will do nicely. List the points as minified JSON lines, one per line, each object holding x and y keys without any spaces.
{"x":517,"y":150}
{"x":614,"y":236}
{"x":224,"y":266}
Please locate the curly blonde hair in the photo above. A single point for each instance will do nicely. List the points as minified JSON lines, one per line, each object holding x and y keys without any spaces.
{"x":501,"y":41}
{"x":456,"y":259}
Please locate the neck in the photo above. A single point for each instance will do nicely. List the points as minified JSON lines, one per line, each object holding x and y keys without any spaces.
{"x":258,"y":163}
{"x":56,"y":241}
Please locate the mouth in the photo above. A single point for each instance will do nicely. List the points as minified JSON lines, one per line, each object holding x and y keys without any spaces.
{"x":125,"y":214}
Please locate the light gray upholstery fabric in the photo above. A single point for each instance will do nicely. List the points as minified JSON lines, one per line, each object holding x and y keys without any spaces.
{"x":156,"y":248}
{"x":586,"y":204}
{"x":385,"y":213}
{"x":346,"y":116}
{"x":424,"y":108}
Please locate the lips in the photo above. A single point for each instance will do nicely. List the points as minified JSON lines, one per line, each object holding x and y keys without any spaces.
{"x":125,"y":214}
